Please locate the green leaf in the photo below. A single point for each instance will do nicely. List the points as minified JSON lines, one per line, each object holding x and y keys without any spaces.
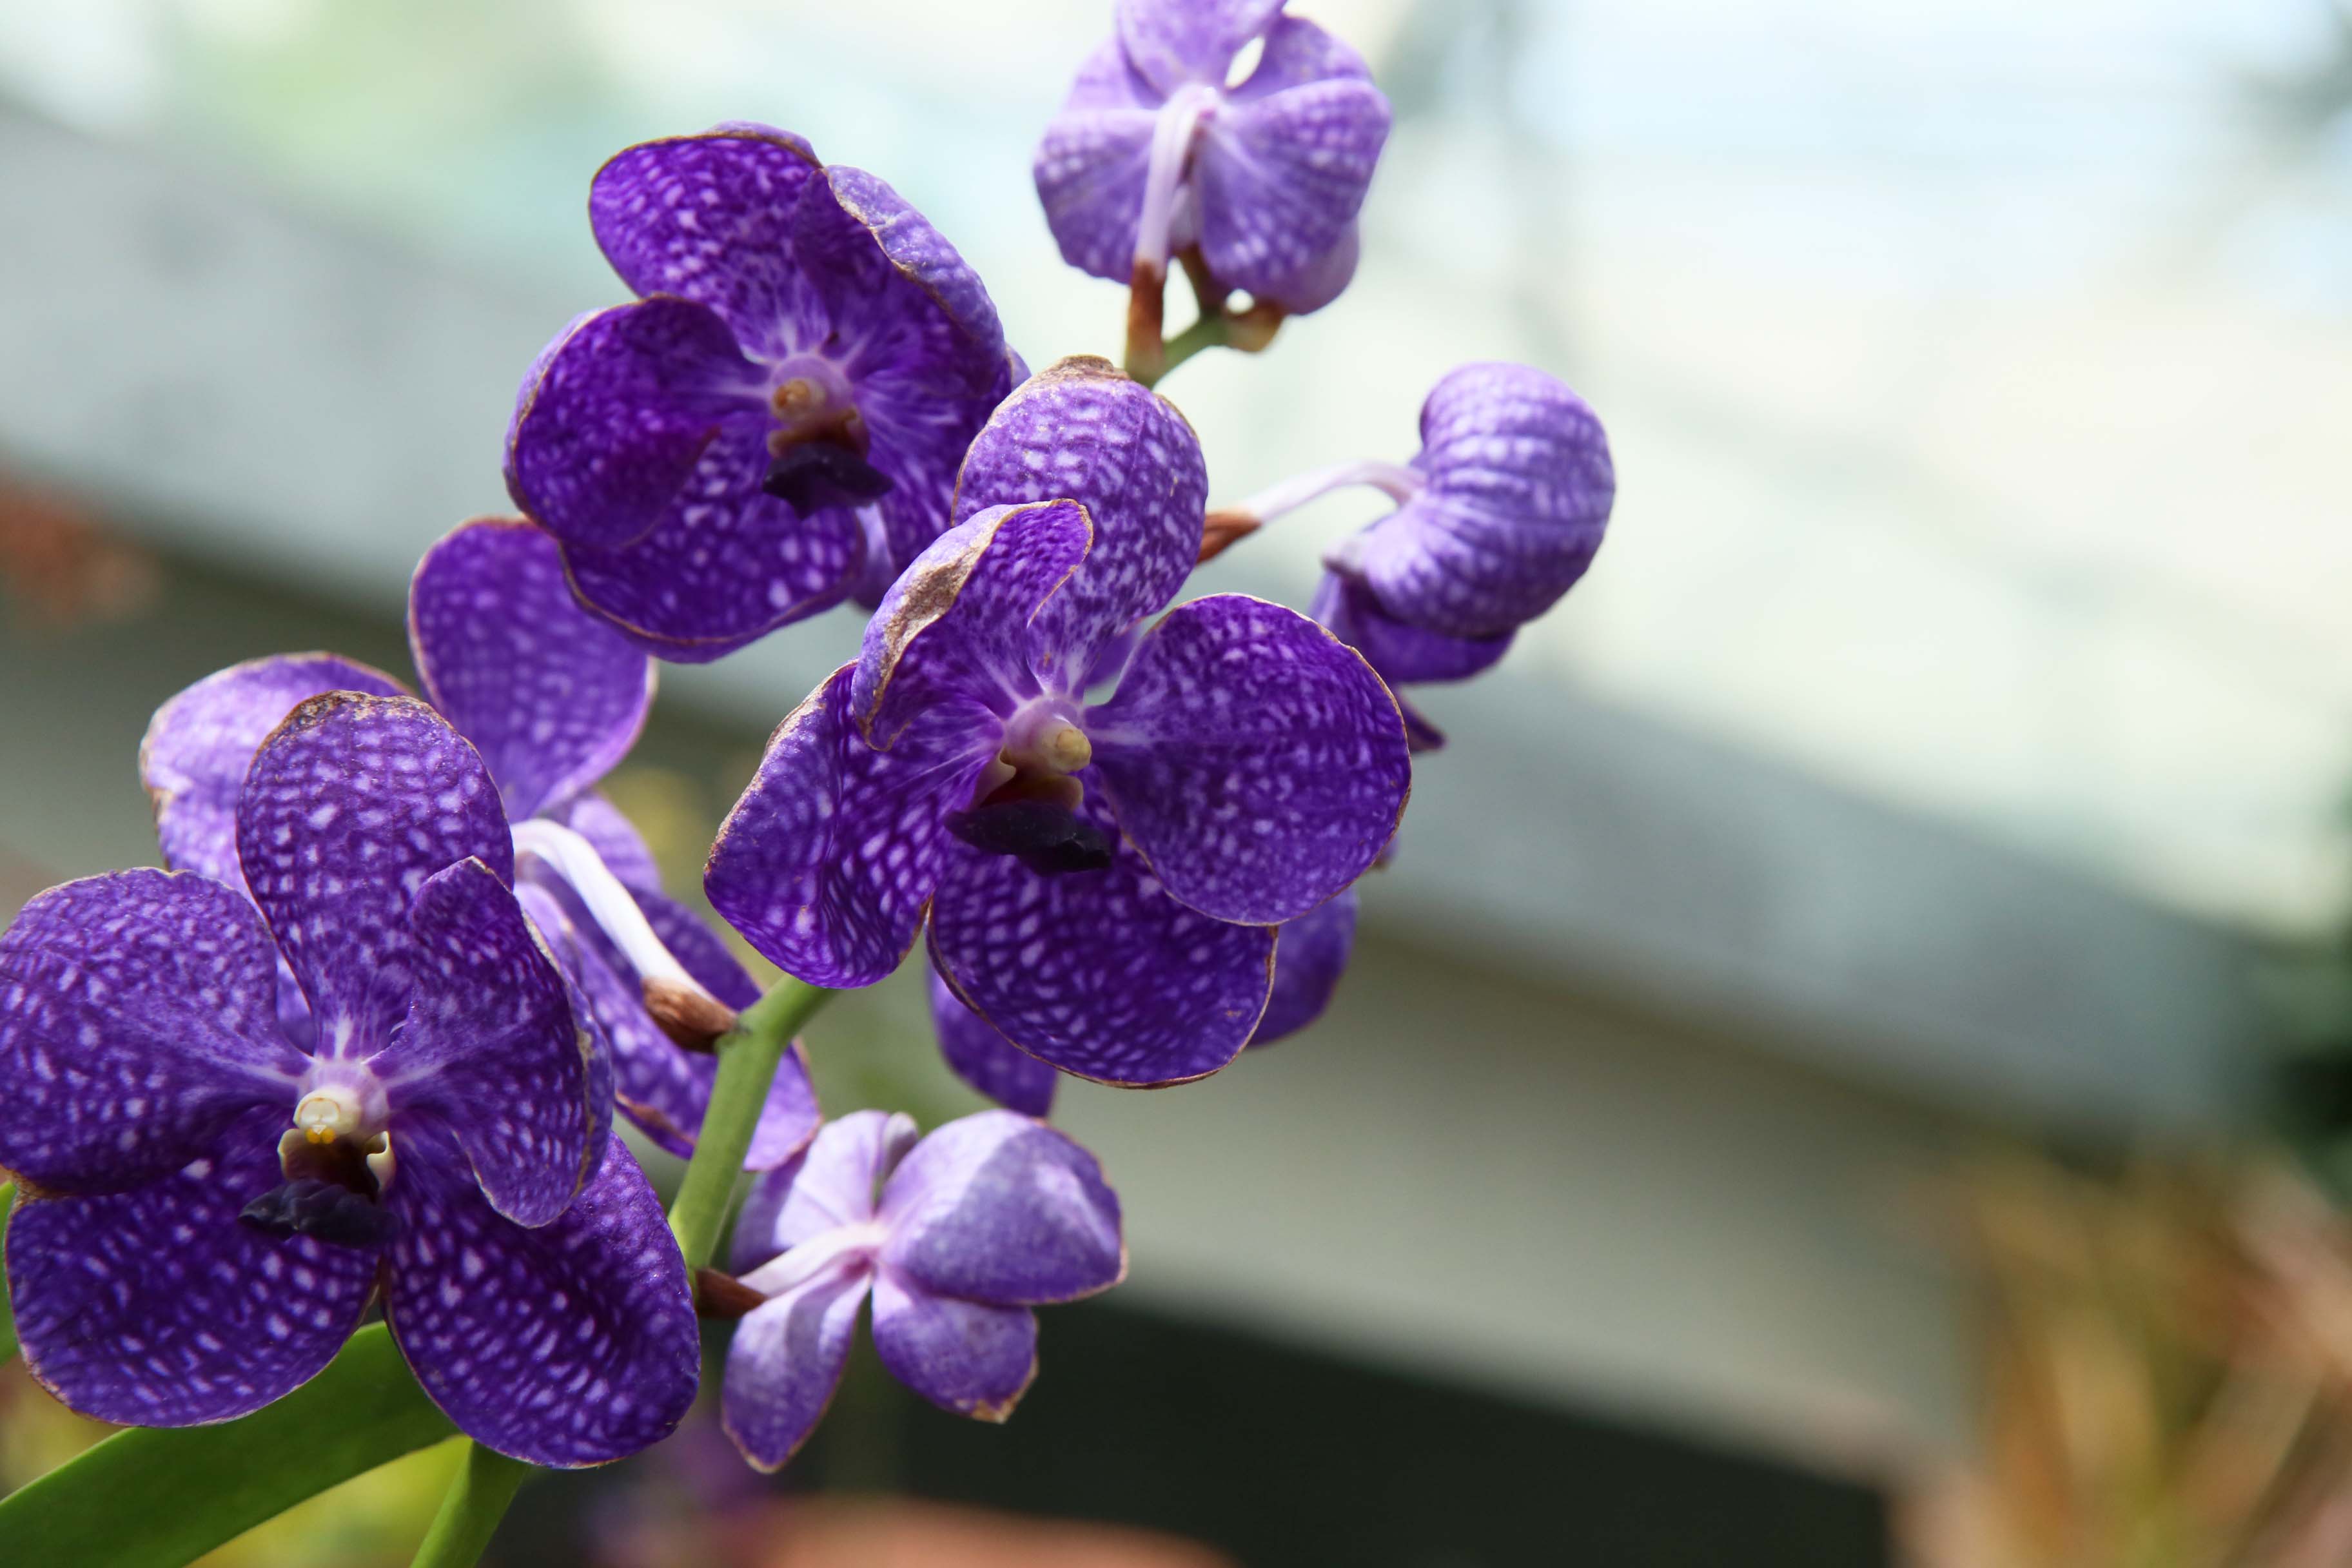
{"x":150,"y":1498}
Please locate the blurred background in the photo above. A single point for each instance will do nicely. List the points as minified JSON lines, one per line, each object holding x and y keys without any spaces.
{"x":1847,"y":1065}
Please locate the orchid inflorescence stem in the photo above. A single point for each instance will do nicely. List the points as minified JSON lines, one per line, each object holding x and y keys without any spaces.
{"x":746,"y":1065}
{"x":1150,"y":357}
{"x":486,"y":1483}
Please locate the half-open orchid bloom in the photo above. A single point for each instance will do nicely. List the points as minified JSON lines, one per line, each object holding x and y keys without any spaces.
{"x":211,"y":1205}
{"x":1497,"y":516}
{"x":552,"y":698}
{"x":956,"y":1238}
{"x":1101,"y":873}
{"x":1156,"y":152}
{"x":1310,"y":955}
{"x":774,"y":425}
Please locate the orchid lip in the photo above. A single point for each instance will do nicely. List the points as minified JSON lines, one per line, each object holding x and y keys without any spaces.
{"x":845,"y":1243}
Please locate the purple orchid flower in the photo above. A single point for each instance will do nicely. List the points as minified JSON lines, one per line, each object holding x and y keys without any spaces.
{"x":1308,"y":957}
{"x":1100,"y":875}
{"x":552,"y":700}
{"x":776,"y":422}
{"x":956,"y":1238}
{"x":1153,"y":153}
{"x":1498,"y":515}
{"x":210,"y":1206}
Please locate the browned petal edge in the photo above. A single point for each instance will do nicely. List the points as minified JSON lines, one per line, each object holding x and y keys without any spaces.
{"x":866,"y":221}
{"x":690,"y":1016}
{"x":999,"y":1411}
{"x":716,"y":133}
{"x":921,"y":601}
{"x":1069,"y":367}
{"x":718,"y":1294}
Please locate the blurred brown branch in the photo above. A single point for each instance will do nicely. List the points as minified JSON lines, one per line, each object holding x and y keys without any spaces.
{"x":60,"y":566}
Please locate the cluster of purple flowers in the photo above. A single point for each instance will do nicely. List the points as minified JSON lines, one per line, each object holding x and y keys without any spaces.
{"x":361,"y":1046}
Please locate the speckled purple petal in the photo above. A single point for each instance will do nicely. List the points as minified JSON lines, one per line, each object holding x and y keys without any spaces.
{"x":568,"y":1344}
{"x":827,"y":862}
{"x":1402,"y":654}
{"x":965,"y":1356}
{"x":1172,"y":42}
{"x":956,"y":630}
{"x":349,"y":808}
{"x":1283,"y":164}
{"x":787,"y":1361}
{"x":1254,"y":758}
{"x":1080,"y":430}
{"x":836,"y":1181}
{"x":1520,"y":485}
{"x":1309,"y":956}
{"x":1092,"y":162}
{"x":617,"y":414}
{"x":920,"y":255}
{"x":489,"y":1051}
{"x":662,"y":1088}
{"x":614,"y":839}
{"x":1316,"y":283}
{"x":138,"y":1017}
{"x":199,"y":745}
{"x":997,"y":1207}
{"x":986,"y":1060}
{"x":710,"y":219}
{"x":928,"y":361}
{"x":157,"y":1308}
{"x":727,"y":564}
{"x":1099,"y":973}
{"x":550,"y":696}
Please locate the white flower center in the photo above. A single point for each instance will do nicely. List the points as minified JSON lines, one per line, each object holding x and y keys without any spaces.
{"x":329,"y":1112}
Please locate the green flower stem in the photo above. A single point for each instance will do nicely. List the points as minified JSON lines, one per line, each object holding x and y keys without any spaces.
{"x":476,"y":1499}
{"x":161,"y":1497}
{"x":1208,"y":332}
{"x":7,"y":1317}
{"x":747,"y":1066}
